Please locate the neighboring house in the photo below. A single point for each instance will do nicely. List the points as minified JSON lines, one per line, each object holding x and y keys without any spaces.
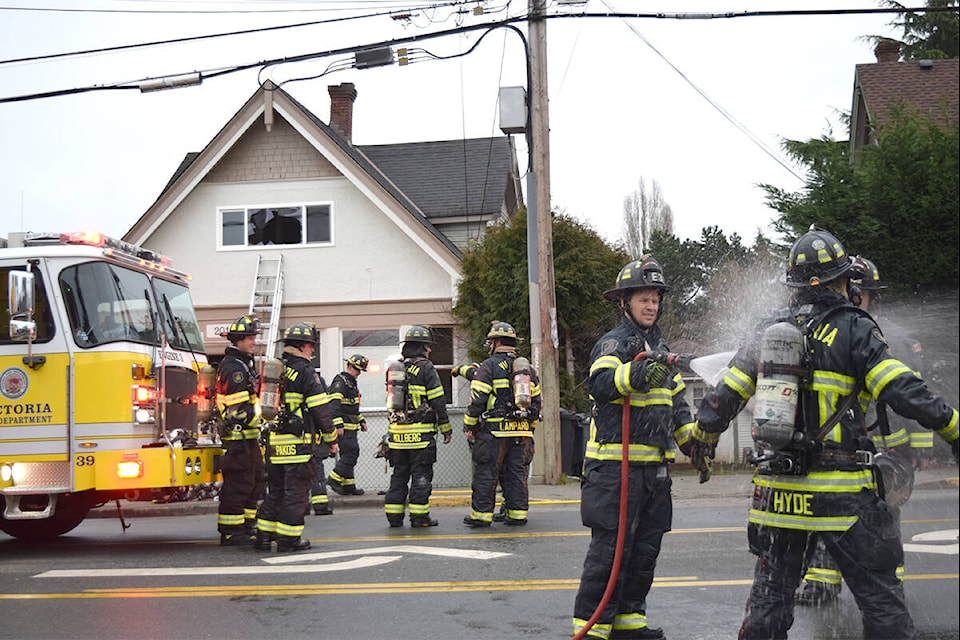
{"x":371,"y":238}
{"x":929,"y":88}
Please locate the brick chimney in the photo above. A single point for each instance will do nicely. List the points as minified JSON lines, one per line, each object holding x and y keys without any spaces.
{"x":342,"y":97}
{"x":887,"y":51}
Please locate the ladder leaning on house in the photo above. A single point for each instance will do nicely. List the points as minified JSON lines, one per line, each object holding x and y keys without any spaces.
{"x":266,"y":299}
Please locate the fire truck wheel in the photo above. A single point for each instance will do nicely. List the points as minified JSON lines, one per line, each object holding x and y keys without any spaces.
{"x":71,"y":511}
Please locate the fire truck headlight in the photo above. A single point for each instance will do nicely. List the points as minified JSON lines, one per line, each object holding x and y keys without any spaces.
{"x":143,"y":416}
{"x":188,"y":466}
{"x":196,"y":465}
{"x":6,"y":473}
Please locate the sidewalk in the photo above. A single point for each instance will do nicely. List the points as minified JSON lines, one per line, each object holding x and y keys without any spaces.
{"x":725,"y":484}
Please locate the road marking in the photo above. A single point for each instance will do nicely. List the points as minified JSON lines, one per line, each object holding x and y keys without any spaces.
{"x":944,"y":535}
{"x":142,"y":572}
{"x":404,"y":548}
{"x":402,"y":588}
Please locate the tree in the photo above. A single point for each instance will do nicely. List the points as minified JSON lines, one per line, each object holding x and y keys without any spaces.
{"x":896,"y":202}
{"x":643,"y":214}
{"x":927,"y":35}
{"x":495,"y":286}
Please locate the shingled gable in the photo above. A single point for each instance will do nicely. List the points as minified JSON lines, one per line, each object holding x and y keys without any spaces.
{"x":928,"y":87}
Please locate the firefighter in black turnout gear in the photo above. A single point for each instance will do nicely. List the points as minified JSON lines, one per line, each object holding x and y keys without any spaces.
{"x":416,"y":413}
{"x":239,"y":428}
{"x":345,"y":405}
{"x":500,"y":420}
{"x":319,"y":500}
{"x":814,"y":473}
{"x":659,"y":416}
{"x":904,"y":442}
{"x":290,"y":446}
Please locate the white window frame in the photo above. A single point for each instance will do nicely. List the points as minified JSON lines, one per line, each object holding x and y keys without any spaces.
{"x":248,"y":210}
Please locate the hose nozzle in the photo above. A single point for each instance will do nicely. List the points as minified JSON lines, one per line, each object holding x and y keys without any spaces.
{"x":678,"y":360}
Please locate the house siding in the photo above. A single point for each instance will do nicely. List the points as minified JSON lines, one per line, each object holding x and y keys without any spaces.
{"x":279,"y":154}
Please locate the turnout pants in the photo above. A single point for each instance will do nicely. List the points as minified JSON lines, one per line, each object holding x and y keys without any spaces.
{"x":503,"y":461}
{"x":649,"y":516}
{"x":867,"y":555}
{"x":318,"y":486}
{"x":288,"y":497}
{"x":243,"y":482}
{"x":412,"y":479}
{"x":349,"y":454}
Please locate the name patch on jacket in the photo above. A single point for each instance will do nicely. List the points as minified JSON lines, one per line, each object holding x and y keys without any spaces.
{"x":789,"y":502}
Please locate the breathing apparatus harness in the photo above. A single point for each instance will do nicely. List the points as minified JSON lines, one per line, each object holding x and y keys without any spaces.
{"x":785,"y":370}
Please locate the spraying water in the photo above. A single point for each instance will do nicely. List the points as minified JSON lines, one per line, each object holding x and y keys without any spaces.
{"x":712,"y":367}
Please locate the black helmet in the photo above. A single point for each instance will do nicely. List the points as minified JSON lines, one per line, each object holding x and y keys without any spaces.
{"x":300,"y":332}
{"x":866,"y":274}
{"x":359,"y":361}
{"x":639,"y":274}
{"x":242,"y":327}
{"x":416,"y":333}
{"x":816,"y":257}
{"x":501,"y":330}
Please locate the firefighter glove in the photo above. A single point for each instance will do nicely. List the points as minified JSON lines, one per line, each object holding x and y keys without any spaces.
{"x":647,"y":374}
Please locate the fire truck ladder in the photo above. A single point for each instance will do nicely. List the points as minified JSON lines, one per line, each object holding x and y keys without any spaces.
{"x":266,"y":299}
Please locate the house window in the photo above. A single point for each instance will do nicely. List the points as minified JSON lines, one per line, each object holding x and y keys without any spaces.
{"x":383,"y":345}
{"x":310,"y":224}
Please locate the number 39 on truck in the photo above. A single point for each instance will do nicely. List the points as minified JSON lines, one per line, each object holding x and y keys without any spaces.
{"x":100,"y":355}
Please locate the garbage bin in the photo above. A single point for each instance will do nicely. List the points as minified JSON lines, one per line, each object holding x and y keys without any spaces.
{"x":568,"y":441}
{"x":582,"y":435}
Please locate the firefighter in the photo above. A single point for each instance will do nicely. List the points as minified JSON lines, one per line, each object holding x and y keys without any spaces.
{"x":239,"y":428}
{"x":319,"y":500}
{"x":659,"y":415}
{"x":345,"y":404}
{"x":906,"y":442}
{"x":819,"y":476}
{"x":500,"y":429}
{"x":305,"y":411}
{"x":413,"y":431}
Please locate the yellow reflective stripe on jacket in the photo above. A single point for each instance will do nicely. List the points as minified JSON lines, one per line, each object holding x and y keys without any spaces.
{"x":806,"y":523}
{"x":436,"y":392}
{"x":880,"y":376}
{"x":604,"y":362}
{"x":740,"y":382}
{"x":317,"y":400}
{"x":895,"y":439}
{"x":614,"y":451}
{"x":480,"y":387}
{"x":831,"y":389}
{"x":921,"y":440}
{"x":233,"y":398}
{"x":656,"y":395}
{"x":949,"y":432}
{"x":820,"y":482}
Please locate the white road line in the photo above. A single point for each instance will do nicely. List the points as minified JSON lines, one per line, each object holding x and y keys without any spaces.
{"x":403,"y":548}
{"x":134,"y":572}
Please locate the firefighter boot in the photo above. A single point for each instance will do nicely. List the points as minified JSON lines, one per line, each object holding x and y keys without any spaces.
{"x":322,"y":510}
{"x":474,"y":523}
{"x":234,"y":540}
{"x":287,"y":543}
{"x":423,"y":521}
{"x":336,"y":486}
{"x":646,"y":633}
{"x":263,"y":541}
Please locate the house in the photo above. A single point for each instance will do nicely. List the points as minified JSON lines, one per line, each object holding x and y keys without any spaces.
{"x":928,"y":87}
{"x":281,"y":213}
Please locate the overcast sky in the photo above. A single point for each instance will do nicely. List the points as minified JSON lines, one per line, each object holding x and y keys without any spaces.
{"x":628,"y":98}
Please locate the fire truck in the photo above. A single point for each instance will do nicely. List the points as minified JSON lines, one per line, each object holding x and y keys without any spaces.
{"x":102,"y":376}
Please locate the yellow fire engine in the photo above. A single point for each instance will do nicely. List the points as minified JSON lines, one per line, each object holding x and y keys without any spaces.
{"x":99,"y":359}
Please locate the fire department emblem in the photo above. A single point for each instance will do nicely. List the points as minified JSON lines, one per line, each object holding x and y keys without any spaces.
{"x":14,"y":383}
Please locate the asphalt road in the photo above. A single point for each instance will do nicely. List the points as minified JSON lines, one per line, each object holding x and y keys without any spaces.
{"x":165,"y":576}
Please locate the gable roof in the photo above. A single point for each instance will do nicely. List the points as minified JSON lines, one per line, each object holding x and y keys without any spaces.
{"x":930,"y":87}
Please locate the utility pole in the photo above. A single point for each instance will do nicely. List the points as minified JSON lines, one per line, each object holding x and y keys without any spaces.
{"x":548,"y":361}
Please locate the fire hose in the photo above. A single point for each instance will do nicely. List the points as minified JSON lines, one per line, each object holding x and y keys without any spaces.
{"x":680,"y":360}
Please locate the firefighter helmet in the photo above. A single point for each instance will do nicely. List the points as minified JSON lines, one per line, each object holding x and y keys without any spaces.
{"x":501,"y":330}
{"x":242,"y":327}
{"x":866,"y":274}
{"x":359,"y":361}
{"x":300,"y":332}
{"x":639,"y":274}
{"x":416,"y":333}
{"x":815,"y":258}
